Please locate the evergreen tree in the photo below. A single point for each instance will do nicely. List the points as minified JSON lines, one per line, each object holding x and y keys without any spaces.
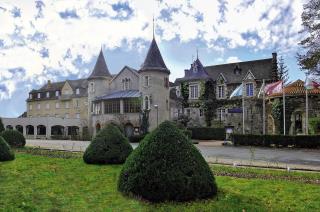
{"x":310,"y":59}
{"x":209,"y":99}
{"x":184,"y":87}
{"x":283,"y":71}
{"x":1,"y":126}
{"x":144,"y":126}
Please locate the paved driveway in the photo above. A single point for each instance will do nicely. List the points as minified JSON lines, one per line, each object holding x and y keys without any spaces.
{"x":216,"y":153}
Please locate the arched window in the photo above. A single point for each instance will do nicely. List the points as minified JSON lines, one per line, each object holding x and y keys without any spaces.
{"x":146,"y":103}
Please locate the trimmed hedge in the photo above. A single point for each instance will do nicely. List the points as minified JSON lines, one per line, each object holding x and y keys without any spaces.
{"x":6,"y":153}
{"x":166,"y":166}
{"x":110,"y":146}
{"x":208,"y":133}
{"x":14,"y":138}
{"x":299,"y":141}
{"x":136,"y":138}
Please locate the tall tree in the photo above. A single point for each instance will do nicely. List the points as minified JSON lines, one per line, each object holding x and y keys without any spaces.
{"x":1,"y":126}
{"x":209,"y":100}
{"x":184,"y":87}
{"x":310,"y":59}
{"x":283,"y":70}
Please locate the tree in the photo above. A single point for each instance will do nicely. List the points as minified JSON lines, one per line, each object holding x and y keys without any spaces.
{"x":144,"y":126}
{"x":1,"y":126}
{"x":310,"y":59}
{"x":283,"y":71}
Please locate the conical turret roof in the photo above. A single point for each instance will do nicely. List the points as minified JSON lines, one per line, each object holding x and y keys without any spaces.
{"x":154,"y":60}
{"x":100,"y":69}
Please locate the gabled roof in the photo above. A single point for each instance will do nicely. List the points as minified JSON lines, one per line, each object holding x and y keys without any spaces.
{"x":195,"y":72}
{"x":261,"y":69}
{"x":154,"y":60}
{"x":134,"y":71}
{"x":249,"y":76}
{"x":100,"y":69}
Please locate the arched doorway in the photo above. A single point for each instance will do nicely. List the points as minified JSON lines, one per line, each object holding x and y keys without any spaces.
{"x":298,"y":123}
{"x":128,"y":130}
{"x":9,"y":127}
{"x":98,"y":127}
{"x":41,"y":130}
{"x":57,"y":130}
{"x":19,"y":128}
{"x":29,"y":130}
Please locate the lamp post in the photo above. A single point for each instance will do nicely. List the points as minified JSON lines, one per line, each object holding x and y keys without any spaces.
{"x":156,"y":107}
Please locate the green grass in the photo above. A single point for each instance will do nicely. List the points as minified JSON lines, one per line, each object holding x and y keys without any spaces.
{"x":39,"y":183}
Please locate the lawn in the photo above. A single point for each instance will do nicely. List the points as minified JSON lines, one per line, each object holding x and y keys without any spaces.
{"x":42,"y":183}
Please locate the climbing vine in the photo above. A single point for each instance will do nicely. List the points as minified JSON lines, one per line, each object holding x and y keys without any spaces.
{"x":277,"y":112}
{"x":184,"y":88}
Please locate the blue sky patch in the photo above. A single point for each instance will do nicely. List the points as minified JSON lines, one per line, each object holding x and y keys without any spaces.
{"x":69,"y":14}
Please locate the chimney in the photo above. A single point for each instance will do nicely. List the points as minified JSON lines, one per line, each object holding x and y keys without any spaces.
{"x":275,"y":74}
{"x":274,"y":55}
{"x":49,"y":84}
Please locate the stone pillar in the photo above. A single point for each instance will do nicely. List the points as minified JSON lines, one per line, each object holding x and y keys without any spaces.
{"x":66,"y":130}
{"x":24,"y":130}
{"x":121,"y":106}
{"x":35,"y":131}
{"x":102,"y":107}
{"x":48,"y":132}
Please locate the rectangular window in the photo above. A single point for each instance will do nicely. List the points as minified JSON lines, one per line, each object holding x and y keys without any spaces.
{"x":201,"y":112}
{"x":30,"y":96}
{"x":92,"y":87}
{"x":48,"y":95}
{"x":131,"y":105}
{"x":77,"y":115}
{"x":67,"y":105}
{"x":30,"y":107}
{"x":39,"y":96}
{"x":47,"y":106}
{"x":146,"y":81}
{"x":221,"y":114}
{"x":77,"y":103}
{"x":112,"y":106}
{"x":221,"y":91}
{"x":57,"y":105}
{"x":194,"y":92}
{"x":77,"y":91}
{"x":57,"y":93}
{"x":249,"y":89}
{"x":38,"y":106}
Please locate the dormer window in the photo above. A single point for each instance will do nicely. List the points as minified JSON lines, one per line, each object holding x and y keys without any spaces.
{"x":77,"y":91}
{"x":237,"y":70}
{"x":249,"y":89}
{"x":30,"y":96}
{"x":126,"y":84}
{"x":48,"y":95}
{"x":57,"y":93}
{"x":38,"y":95}
{"x":146,"y":81}
{"x":221,"y":93}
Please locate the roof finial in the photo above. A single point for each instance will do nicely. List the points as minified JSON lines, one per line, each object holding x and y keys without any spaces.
{"x":153,"y":27}
{"x":197,"y":53}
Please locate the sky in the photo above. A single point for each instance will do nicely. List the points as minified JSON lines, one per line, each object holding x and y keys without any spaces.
{"x":58,"y":39}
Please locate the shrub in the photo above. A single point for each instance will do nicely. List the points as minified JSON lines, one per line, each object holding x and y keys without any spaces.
{"x":6,"y":153}
{"x":110,"y":146}
{"x":208,"y":133}
{"x":166,"y":166}
{"x":136,"y":138}
{"x":14,"y":138}
{"x":299,"y":141}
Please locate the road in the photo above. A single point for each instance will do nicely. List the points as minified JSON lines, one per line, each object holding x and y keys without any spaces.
{"x":216,"y":153}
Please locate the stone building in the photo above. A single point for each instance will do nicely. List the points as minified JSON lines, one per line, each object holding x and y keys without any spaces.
{"x":295,"y":109}
{"x":226,"y":78}
{"x":66,"y":108}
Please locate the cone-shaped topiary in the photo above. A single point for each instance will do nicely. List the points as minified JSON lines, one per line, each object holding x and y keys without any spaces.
{"x":6,"y":153}
{"x":110,"y":146}
{"x":166,"y":166}
{"x":14,"y":138}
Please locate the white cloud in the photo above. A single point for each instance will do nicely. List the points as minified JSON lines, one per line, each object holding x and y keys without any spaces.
{"x":232,"y":59}
{"x":84,"y":36}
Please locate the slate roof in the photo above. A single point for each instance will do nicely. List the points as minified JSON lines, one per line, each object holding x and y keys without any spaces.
{"x":154,"y":60}
{"x":261,"y":69}
{"x":195,"y":72}
{"x":100,"y":69}
{"x":296,"y":89}
{"x":120,"y":95}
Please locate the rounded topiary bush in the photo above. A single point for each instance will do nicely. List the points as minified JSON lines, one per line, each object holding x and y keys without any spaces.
{"x":14,"y":138}
{"x":110,"y":146}
{"x":167,"y":166}
{"x":6,"y":153}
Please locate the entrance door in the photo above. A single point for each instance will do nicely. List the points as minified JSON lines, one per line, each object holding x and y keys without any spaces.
{"x":298,"y":123}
